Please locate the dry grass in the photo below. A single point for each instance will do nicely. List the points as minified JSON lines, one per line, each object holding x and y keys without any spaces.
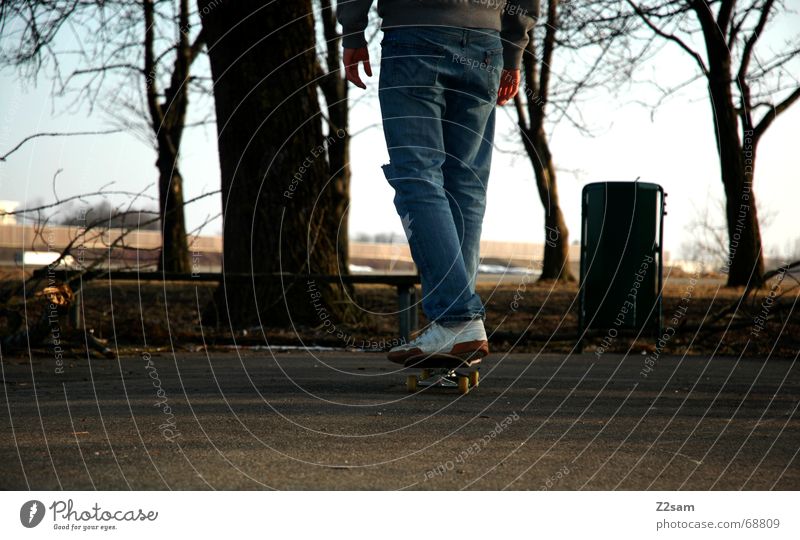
{"x":524,"y":318}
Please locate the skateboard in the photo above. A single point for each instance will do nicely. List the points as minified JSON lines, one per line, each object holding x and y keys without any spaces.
{"x":443,"y":370}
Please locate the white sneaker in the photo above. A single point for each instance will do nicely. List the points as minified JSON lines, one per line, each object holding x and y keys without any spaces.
{"x":466,"y":341}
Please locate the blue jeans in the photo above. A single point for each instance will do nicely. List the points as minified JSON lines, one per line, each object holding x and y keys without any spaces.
{"x":438,"y":88}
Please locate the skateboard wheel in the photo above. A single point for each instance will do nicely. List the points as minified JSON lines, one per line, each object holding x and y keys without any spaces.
{"x":411,"y":383}
{"x":474,"y":378}
{"x":463,"y":385}
{"x":426,"y":374}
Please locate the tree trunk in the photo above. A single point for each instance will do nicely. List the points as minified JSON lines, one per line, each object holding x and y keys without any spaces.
{"x":167,"y":121}
{"x":278,"y":213}
{"x":555,"y":262}
{"x":175,"y":249}
{"x":339,"y":159}
{"x":745,"y":264}
{"x":334,"y":87}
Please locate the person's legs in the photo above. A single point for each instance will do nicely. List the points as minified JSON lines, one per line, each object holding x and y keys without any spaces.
{"x":468,"y":133}
{"x":413,"y":103}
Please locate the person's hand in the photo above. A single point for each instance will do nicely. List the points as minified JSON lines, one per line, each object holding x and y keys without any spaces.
{"x":351,"y":59}
{"x":509,"y":85}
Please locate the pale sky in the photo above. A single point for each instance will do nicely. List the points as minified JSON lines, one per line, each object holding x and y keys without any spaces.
{"x":676,"y":149}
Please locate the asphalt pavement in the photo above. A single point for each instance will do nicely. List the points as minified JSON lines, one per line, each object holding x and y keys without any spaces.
{"x":269,"y":419}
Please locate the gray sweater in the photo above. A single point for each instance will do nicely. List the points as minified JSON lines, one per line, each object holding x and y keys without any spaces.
{"x":513,"y":18}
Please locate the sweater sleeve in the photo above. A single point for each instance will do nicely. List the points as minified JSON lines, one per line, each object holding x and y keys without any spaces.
{"x":518,"y":19}
{"x":353,"y":15}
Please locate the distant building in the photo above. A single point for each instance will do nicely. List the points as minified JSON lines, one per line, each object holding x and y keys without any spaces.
{"x":5,"y":208}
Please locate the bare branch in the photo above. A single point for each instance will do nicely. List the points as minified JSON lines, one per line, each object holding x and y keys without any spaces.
{"x":56,"y":134}
{"x":751,"y":41}
{"x":666,"y":35}
{"x":772,"y":115}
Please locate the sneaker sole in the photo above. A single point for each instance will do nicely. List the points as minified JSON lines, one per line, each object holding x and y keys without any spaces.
{"x":467,"y":351}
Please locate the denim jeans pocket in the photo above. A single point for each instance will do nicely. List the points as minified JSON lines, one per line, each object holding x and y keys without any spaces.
{"x":494,"y":62}
{"x":410,"y":66}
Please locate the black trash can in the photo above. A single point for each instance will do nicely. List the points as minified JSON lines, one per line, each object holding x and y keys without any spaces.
{"x":621,"y":258}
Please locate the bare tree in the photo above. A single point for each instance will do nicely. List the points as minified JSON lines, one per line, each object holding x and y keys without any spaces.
{"x":334,"y":87}
{"x":90,"y":252}
{"x":114,"y":218}
{"x":750,"y":84}
{"x":133,"y":45}
{"x":555,"y":264}
{"x":586,"y":34}
{"x":707,"y":233}
{"x":280,"y":214}
{"x":168,"y":118}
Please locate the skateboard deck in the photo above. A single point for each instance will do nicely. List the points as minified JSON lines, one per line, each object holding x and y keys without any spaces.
{"x":443,"y":370}
{"x":440,"y":361}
